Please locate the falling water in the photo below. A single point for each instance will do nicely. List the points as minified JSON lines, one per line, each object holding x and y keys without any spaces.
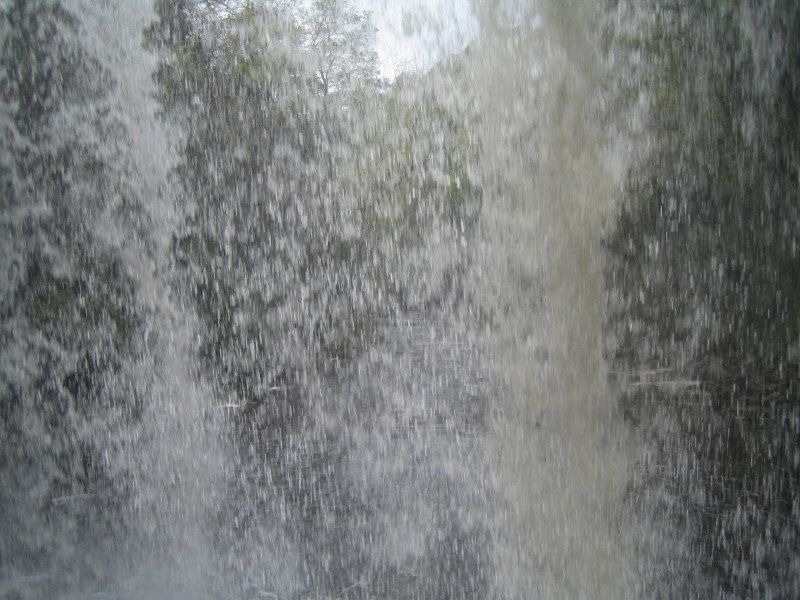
{"x":521,"y":325}
{"x":561,"y":456}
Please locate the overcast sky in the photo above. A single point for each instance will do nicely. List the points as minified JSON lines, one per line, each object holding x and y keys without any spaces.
{"x":413,"y":34}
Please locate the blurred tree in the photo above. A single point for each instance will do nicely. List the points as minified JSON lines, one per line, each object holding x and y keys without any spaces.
{"x":417,"y":195}
{"x":339,"y":39}
{"x":705,"y":274}
{"x":69,"y":318}
{"x":311,"y":215}
{"x":287,"y":255}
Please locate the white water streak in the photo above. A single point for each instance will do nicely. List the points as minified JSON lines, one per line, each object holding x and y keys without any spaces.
{"x":553,"y":178}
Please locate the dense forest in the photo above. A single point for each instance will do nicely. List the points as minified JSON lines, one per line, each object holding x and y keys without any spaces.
{"x":186,"y":317}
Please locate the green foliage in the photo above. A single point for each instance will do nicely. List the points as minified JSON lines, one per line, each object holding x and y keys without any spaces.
{"x":417,"y":197}
{"x":705,"y":274}
{"x":248,"y":176}
{"x":717,"y":188}
{"x":289,"y":259}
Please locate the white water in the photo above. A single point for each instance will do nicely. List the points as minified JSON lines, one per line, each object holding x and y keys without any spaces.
{"x":472,"y":451}
{"x":562,"y":457}
{"x":536,"y":489}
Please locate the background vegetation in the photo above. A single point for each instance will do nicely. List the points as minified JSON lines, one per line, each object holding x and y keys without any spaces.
{"x":704,"y":276}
